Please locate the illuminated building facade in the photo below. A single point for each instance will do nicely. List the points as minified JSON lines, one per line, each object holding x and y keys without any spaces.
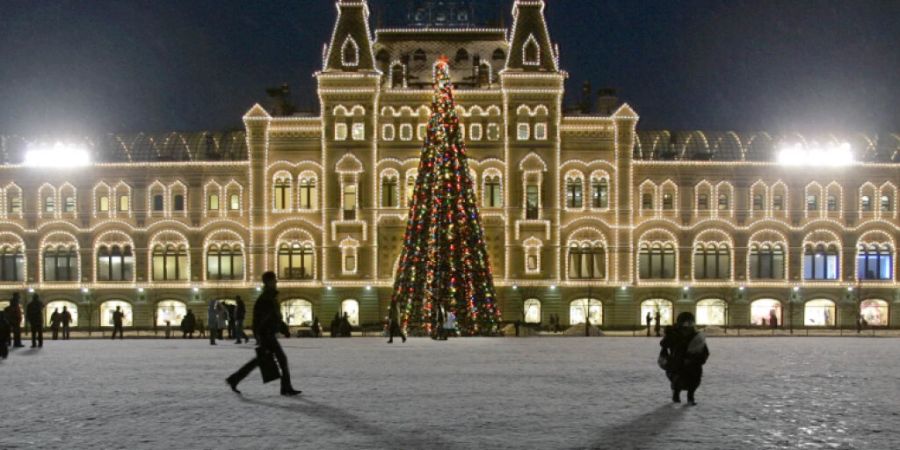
{"x":584,"y":214}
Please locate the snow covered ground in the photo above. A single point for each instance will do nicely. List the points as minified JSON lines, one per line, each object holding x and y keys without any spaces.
{"x":810,"y":393}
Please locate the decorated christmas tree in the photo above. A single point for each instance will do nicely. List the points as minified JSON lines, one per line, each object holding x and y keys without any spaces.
{"x":444,"y":265}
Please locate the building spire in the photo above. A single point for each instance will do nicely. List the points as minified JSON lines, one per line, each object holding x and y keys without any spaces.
{"x":530,"y":48}
{"x":350,"y":49}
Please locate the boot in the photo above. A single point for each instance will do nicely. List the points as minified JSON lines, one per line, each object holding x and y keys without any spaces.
{"x":676,"y":396}
{"x":690,"y":399}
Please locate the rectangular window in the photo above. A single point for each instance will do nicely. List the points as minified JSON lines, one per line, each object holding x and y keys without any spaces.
{"x":123,"y":203}
{"x":282,"y":195}
{"x":832,"y":203}
{"x":523,"y":132}
{"x":359,"y":131}
{"x":234,"y":202}
{"x":406,"y":132}
{"x":723,"y":202}
{"x":758,"y":202}
{"x":421,"y":131}
{"x":600,"y":194}
{"x":350,"y":263}
{"x":778,"y":203}
{"x":532,"y":264}
{"x":646,"y":201}
{"x":213,"y":202}
{"x":492,"y":193}
{"x":475,"y":132}
{"x":812,"y":203}
{"x":540,"y":131}
{"x":178,"y":203}
{"x":531,"y":202}
{"x":158,"y":202}
{"x":15,"y":204}
{"x":389,"y":193}
{"x":886,"y":203}
{"x":103,"y":204}
{"x":388,"y":132}
{"x":493,"y":132}
{"x":866,"y":203}
{"x":350,"y":202}
{"x":703,"y":202}
{"x":307,"y":194}
{"x":668,"y":201}
{"x":70,"y":205}
{"x":340,"y":131}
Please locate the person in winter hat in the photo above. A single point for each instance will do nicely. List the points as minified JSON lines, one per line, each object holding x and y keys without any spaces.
{"x":685,"y":352}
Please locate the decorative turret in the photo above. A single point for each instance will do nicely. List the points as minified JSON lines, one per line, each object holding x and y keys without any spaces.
{"x":350,"y":49}
{"x":530,"y":48}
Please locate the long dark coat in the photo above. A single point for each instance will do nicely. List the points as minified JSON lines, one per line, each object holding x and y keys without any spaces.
{"x":686,"y":353}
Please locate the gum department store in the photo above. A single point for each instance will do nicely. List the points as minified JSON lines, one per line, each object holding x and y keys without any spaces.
{"x":584,"y":212}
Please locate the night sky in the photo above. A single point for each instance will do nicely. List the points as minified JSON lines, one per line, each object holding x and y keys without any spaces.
{"x":78,"y":66}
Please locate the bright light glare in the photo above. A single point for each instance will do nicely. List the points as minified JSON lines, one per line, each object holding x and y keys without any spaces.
{"x":59,"y":156}
{"x":833,"y":155}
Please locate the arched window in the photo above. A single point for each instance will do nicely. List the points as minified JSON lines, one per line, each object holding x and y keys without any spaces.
{"x":58,"y":306}
{"x":307,"y":187}
{"x":657,"y":261}
{"x":712,"y":262}
{"x":865,"y":203}
{"x":532,"y":310}
{"x":711,"y":312}
{"x":758,"y":202}
{"x":14,"y":200}
{"x":587,"y":261}
{"x":419,"y":56}
{"x":351,"y":309}
{"x":819,"y":313}
{"x":115,"y":263}
{"x":178,"y":203}
{"x":297,"y":313}
{"x":820,"y":262}
{"x":170,"y":262}
{"x":350,"y":52}
{"x":171,"y":311}
{"x":158,"y":203}
{"x":724,"y":202}
{"x":107,"y":309}
{"x":573,"y":193}
{"x":61,"y":263}
{"x":532,"y":53}
{"x":389,"y":193}
{"x":599,"y":193}
{"x":225,"y":262}
{"x":668,"y":201}
{"x":212,"y":202}
{"x":498,"y":55}
{"x":874,"y":262}
{"x":647,"y":201}
{"x":124,"y":202}
{"x":295,"y":261}
{"x":49,"y":204}
{"x":766,"y":312}
{"x":656,"y":306}
{"x":461,"y":56}
{"x":875,"y":312}
{"x":767,"y":262}
{"x":583,"y":307}
{"x":69,"y":205}
{"x":398,"y":76}
{"x":886,"y":203}
{"x":282,"y":194}
{"x":12,"y":263}
{"x":532,"y":201}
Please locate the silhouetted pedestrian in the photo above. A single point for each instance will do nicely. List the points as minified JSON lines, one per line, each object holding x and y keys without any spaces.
{"x":773,"y":318}
{"x":118,"y":323}
{"x":649,"y":320}
{"x":335,"y":324}
{"x":685,"y":352}
{"x":656,"y":325}
{"x":518,"y":325}
{"x":267,"y":322}
{"x":14,"y":317}
{"x":5,"y":329}
{"x":394,"y":328}
{"x":212,"y":318}
{"x":316,"y":327}
{"x":188,"y":324}
{"x":240,"y":313}
{"x":345,"y":328}
{"x":55,"y":320}
{"x":35,"y":317}
{"x":66,"y":318}
{"x":229,"y":312}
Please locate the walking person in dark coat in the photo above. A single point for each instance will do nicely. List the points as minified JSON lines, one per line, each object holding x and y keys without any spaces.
{"x":685,"y":352}
{"x":66,"y":319}
{"x":4,"y":335}
{"x":649,"y":320}
{"x":345,"y":327}
{"x":35,"y":317}
{"x":656,"y":326}
{"x":335,"y":324}
{"x":394,"y":328}
{"x":230,"y":310}
{"x":267,"y":322}
{"x":212,"y":321}
{"x":316,"y":327}
{"x":55,"y":320}
{"x":14,"y":317}
{"x":188,"y":324}
{"x":118,"y":319}
{"x":240,"y":313}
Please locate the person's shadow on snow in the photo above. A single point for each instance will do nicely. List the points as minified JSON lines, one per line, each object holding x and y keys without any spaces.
{"x":346,"y":420}
{"x":640,"y":431}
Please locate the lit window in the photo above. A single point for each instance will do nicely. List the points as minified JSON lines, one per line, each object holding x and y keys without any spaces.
{"x":234,"y":202}
{"x":886,"y":203}
{"x":712,"y":262}
{"x":703,"y":202}
{"x":389,"y":192}
{"x":340,"y":131}
{"x":587,"y":262}
{"x":213,"y":202}
{"x":820,"y":263}
{"x":297,"y":313}
{"x":573,"y":193}
{"x":115,"y":263}
{"x":532,"y":203}
{"x":812,"y":203}
{"x":61,"y":263}
{"x":49,"y":204}
{"x":69,"y":205}
{"x":668,"y":201}
{"x":766,"y":262}
{"x":523,"y":132}
{"x":874,"y":262}
{"x":540,"y":131}
{"x":657,"y":261}
{"x":12,"y":264}
{"x":492,"y":198}
{"x":103,"y":203}
{"x":723,"y":202}
{"x":295,"y":261}
{"x":600,"y":193}
{"x":778,"y":203}
{"x":532,"y":311}
{"x":866,"y":203}
{"x":359,"y":131}
{"x":224,"y":262}
{"x":123,"y":203}
{"x":282,"y":194}
{"x":170,"y":263}
{"x":592,"y":309}
{"x":308,"y":193}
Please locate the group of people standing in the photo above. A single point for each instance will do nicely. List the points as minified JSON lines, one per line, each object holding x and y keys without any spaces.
{"x":221,"y":316}
{"x":653,"y":319}
{"x":340,"y":325}
{"x":11,"y":323}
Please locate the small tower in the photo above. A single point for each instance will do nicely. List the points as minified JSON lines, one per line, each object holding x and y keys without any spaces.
{"x":350,"y":49}
{"x":530,"y":47}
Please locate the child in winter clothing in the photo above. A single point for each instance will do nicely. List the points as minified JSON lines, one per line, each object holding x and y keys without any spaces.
{"x":685,"y":352}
